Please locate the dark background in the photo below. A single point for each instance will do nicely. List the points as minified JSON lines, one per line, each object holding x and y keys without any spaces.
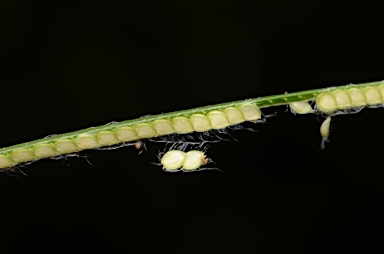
{"x":67,"y":65}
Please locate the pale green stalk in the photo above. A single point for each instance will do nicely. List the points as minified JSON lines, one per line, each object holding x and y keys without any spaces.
{"x":145,"y":127}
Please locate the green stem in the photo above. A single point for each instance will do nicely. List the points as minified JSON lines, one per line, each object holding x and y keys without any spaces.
{"x":12,"y":155}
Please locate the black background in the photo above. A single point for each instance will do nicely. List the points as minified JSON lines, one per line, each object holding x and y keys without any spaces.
{"x":71,"y":65}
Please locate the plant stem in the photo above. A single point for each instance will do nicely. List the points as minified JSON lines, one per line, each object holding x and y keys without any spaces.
{"x":8,"y":157}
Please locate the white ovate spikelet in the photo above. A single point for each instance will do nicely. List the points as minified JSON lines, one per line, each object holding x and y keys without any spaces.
{"x":173,"y":160}
{"x":324,"y":131}
{"x":194,"y":160}
{"x":301,"y":107}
